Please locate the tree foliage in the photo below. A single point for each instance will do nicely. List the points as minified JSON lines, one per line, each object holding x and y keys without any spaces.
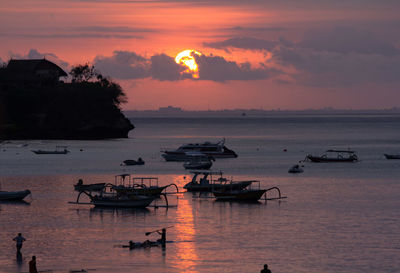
{"x":83,"y":73}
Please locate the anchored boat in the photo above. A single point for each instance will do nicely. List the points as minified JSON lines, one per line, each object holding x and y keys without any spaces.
{"x":392,"y":156}
{"x":334,"y":156}
{"x":215,"y":150}
{"x":60,"y":150}
{"x":204,"y":181}
{"x":13,"y":195}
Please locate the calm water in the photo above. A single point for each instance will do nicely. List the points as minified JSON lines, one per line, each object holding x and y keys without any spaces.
{"x":342,"y":217}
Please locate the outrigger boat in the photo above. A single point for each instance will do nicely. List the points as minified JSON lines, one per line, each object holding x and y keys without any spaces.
{"x":248,"y":194}
{"x":13,"y":195}
{"x":295,"y":169}
{"x":334,"y":156}
{"x":111,"y":198}
{"x":60,"y":150}
{"x":392,"y":156}
{"x":138,"y":185}
{"x":206,"y":183}
{"x":215,"y":150}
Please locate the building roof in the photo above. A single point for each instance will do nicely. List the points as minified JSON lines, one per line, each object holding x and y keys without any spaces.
{"x":33,"y":65}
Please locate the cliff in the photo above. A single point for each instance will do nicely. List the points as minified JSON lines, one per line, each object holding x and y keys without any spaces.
{"x":78,"y":110}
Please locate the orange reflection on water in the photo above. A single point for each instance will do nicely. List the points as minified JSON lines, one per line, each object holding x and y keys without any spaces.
{"x":186,"y":251}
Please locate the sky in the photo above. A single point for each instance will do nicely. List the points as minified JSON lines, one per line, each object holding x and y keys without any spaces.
{"x":253,"y":54}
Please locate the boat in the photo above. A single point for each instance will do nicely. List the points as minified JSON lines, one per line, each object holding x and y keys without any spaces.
{"x":60,"y":150}
{"x":13,"y":195}
{"x":215,"y":150}
{"x":89,"y":187}
{"x":392,"y":156}
{"x":295,"y":169}
{"x":206,"y":183}
{"x":131,"y":162}
{"x":334,"y":156}
{"x":124,"y":183}
{"x":111,"y":198}
{"x":247,"y":194}
{"x":198,"y":161}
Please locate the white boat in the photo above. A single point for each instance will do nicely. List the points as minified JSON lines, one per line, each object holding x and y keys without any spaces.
{"x":13,"y":195}
{"x":215,"y":150}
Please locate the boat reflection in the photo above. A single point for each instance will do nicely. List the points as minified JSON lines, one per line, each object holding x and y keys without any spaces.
{"x":186,"y":251}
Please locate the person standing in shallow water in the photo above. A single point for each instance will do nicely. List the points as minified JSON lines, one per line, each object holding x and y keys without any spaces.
{"x":19,"y":240}
{"x":32,"y":265}
{"x":265,"y":270}
{"x":163,"y":238}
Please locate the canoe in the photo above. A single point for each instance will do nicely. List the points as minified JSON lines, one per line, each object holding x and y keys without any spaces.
{"x":13,"y":195}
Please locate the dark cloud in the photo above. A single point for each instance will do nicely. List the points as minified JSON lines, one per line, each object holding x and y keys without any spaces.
{"x":324,"y":68}
{"x":243,"y":43}
{"x":123,"y":65}
{"x":346,"y":40}
{"x":164,"y":68}
{"x":71,"y":35}
{"x":129,"y":65}
{"x":216,"y":68}
{"x":35,"y":54}
{"x":116,"y":29}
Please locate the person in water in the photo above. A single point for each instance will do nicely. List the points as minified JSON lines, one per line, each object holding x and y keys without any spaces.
{"x":32,"y":265}
{"x":265,"y":269}
{"x":163,"y":238}
{"x":19,"y":240}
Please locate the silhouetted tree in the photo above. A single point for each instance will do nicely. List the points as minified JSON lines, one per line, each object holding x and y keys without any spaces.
{"x":83,"y":73}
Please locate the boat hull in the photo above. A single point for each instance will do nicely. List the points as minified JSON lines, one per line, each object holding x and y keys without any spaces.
{"x":41,"y":152}
{"x":241,"y":195}
{"x":195,"y":187}
{"x":137,"y":202}
{"x":90,"y":187}
{"x":320,"y":159}
{"x":13,"y":195}
{"x":391,"y":156}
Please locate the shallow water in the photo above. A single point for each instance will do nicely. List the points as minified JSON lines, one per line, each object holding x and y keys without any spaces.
{"x":342,"y":217}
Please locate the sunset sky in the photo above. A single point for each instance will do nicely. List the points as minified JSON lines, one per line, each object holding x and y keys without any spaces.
{"x":269,"y":54}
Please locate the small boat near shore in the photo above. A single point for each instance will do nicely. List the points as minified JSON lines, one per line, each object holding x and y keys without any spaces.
{"x":215,"y":150}
{"x":132,"y":162}
{"x":89,"y":187}
{"x":13,"y":195}
{"x":295,"y":169}
{"x":60,"y":150}
{"x":206,"y":182}
{"x":392,"y":156}
{"x":334,"y":156}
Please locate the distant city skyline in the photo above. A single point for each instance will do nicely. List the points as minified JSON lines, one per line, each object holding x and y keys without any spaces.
{"x":240,"y":54}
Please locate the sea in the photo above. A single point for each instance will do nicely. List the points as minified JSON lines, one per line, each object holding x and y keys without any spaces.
{"x":337,"y":217}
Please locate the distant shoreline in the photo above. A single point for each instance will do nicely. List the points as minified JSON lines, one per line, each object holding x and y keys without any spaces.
{"x":178,"y":113}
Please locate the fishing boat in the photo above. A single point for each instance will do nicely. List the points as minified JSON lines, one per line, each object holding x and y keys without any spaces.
{"x":392,"y":156}
{"x":60,"y":150}
{"x":203,"y":181}
{"x":198,"y":161}
{"x":215,"y":150}
{"x":13,"y":195}
{"x":114,"y":199}
{"x":295,"y":169}
{"x":334,"y":156}
{"x":89,"y":187}
{"x":131,"y":162}
{"x":124,"y":183}
{"x":247,"y":194}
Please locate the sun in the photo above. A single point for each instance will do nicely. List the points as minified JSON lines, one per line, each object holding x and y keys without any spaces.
{"x":186,"y":58}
